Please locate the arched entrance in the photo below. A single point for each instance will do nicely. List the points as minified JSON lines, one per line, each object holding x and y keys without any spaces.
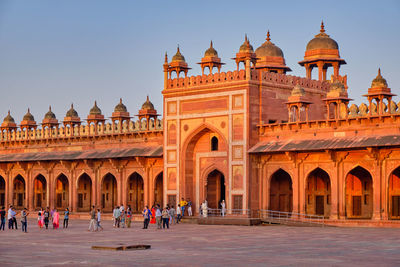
{"x":158,"y":190}
{"x":394,"y":194}
{"x":204,"y":140}
{"x":39,"y":192}
{"x":281,"y":192}
{"x":359,"y":195}
{"x":108,"y":193}
{"x":2,"y":192}
{"x":135,"y":193}
{"x":215,"y":189}
{"x":19,"y":192}
{"x":84,"y":192}
{"x":318,"y":193}
{"x":62,"y":192}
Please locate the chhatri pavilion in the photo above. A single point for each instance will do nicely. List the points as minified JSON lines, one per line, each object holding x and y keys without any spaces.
{"x":256,"y":137}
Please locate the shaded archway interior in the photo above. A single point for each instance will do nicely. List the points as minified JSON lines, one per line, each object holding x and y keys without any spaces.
{"x":40,"y":192}
{"x":281,"y":192}
{"x":215,"y":189}
{"x":62,"y":192}
{"x":19,"y":196}
{"x":318,"y":193}
{"x":84,"y":192}
{"x":135,"y":193}
{"x":158,"y":190}
{"x":108,"y":193}
{"x":359,"y":194}
{"x":394,"y":194}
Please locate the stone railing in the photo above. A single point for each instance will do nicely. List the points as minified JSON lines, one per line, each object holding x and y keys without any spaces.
{"x":276,"y":78}
{"x":81,"y":130}
{"x":199,"y":80}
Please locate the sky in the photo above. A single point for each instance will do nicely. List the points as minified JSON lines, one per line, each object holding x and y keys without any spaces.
{"x":62,"y":52}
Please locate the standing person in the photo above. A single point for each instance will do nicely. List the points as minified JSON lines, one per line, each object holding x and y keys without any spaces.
{"x":158,"y":217}
{"x":178,"y":213}
{"x":205,"y":209}
{"x":128,"y":217}
{"x":24,"y":221}
{"x":99,"y":220}
{"x":9,"y":217}
{"x":153,"y":217}
{"x":123,"y":219}
{"x":14,"y":218}
{"x":165,"y":217}
{"x":46,"y":217}
{"x":117,"y":216}
{"x":92,"y":224}
{"x":113,"y":217}
{"x":40,"y":222}
{"x":189,"y":207}
{"x":183,"y":203}
{"x":2,"y":217}
{"x":172,"y":215}
{"x":146,"y":217}
{"x":56,"y":219}
{"x":66,"y":218}
{"x":223,"y":208}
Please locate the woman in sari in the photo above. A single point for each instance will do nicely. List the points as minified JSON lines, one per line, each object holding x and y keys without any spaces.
{"x":153,"y":215}
{"x":56,"y":219}
{"x":40,"y":218}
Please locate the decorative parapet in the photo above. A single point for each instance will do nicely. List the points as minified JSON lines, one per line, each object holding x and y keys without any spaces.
{"x":267,"y":77}
{"x":82,"y":131}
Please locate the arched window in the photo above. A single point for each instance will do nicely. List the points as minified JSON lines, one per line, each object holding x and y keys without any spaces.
{"x":214,"y":143}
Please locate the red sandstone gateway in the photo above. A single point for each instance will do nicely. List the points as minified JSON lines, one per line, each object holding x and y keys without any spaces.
{"x":255,"y":137}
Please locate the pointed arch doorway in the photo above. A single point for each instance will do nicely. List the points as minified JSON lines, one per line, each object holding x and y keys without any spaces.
{"x":215,"y":189}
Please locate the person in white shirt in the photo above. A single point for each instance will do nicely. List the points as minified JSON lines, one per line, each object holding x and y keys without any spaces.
{"x":223,"y":208}
{"x":178,"y":213}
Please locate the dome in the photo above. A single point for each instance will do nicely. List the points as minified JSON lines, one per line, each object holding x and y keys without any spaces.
{"x":95,"y":110}
{"x":298,"y":91}
{"x":148,"y":105}
{"x":50,"y":115}
{"x":178,"y":57}
{"x":269,"y":49}
{"x":72,"y":112}
{"x":120,"y":107}
{"x":28,"y":116}
{"x":246,"y":46}
{"x":322,"y":41}
{"x":211,"y":52}
{"x":379,"y":81}
{"x":337,"y":87}
{"x":8,"y":118}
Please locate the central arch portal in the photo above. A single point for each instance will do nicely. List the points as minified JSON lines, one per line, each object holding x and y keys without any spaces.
{"x":215,"y":189}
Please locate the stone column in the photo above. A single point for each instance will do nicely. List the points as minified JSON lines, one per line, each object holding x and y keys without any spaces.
{"x":29,"y":190}
{"x":74,"y":189}
{"x":335,"y":185}
{"x":10,"y":191}
{"x":124,"y":187}
{"x":320,"y":70}
{"x":146,"y":186}
{"x":376,"y":192}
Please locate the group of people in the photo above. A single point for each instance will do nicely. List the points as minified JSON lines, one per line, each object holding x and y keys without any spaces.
{"x":44,"y":217}
{"x":122,"y":217}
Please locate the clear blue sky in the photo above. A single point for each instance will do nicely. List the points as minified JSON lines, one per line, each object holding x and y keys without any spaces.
{"x":59,"y":52}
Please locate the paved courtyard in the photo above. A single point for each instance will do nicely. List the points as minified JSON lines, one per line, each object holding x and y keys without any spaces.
{"x":202,"y":245}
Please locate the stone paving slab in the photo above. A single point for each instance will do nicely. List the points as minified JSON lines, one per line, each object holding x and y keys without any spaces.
{"x":202,"y":245}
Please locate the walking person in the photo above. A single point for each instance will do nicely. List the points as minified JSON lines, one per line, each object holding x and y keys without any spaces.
{"x":189,"y":207}
{"x":99,"y":220}
{"x":24,"y":221}
{"x":46,"y":217}
{"x":56,"y":219}
{"x":165,"y":218}
{"x":178,"y":213}
{"x":2,"y":218}
{"x":92,"y":224}
{"x":223,"y":208}
{"x":128,"y":217}
{"x":158,"y":217}
{"x":66,"y":218}
{"x":146,"y":217}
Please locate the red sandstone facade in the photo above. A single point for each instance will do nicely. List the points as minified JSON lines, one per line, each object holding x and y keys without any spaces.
{"x":255,"y":137}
